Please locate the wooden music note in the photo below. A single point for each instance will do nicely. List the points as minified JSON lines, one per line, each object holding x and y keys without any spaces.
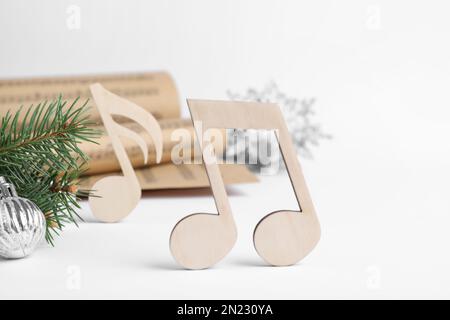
{"x":281,"y":238}
{"x":116,"y":196}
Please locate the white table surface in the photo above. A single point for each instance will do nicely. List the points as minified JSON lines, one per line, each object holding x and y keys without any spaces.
{"x":380,"y":240}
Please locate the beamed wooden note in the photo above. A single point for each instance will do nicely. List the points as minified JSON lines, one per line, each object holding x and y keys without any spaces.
{"x":281,"y":238}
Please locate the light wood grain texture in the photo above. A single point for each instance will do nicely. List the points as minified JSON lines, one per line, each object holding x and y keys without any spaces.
{"x":116,"y":196}
{"x":281,"y":238}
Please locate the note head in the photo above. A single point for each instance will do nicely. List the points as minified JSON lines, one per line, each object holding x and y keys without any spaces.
{"x":200,"y":240}
{"x":116,"y":197}
{"x":283,"y":238}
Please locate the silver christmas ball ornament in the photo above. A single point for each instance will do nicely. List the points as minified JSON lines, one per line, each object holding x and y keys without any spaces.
{"x":22,"y":223}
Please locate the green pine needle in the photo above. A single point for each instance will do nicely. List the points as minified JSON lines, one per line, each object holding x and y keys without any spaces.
{"x":39,"y":154}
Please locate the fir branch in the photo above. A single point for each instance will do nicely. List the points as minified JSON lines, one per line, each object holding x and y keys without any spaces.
{"x":39,"y":154}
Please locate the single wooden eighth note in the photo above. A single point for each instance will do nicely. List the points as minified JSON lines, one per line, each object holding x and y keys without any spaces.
{"x":116,"y":196}
{"x":281,"y":238}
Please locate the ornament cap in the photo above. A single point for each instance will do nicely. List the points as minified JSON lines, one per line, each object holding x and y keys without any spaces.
{"x":7,"y":190}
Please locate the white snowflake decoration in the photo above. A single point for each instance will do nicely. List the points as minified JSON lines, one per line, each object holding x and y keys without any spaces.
{"x":297,"y":113}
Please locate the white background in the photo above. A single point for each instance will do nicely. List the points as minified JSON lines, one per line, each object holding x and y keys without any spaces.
{"x":380,"y":72}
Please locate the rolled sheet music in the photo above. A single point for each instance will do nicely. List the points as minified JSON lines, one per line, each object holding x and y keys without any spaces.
{"x":155,"y":92}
